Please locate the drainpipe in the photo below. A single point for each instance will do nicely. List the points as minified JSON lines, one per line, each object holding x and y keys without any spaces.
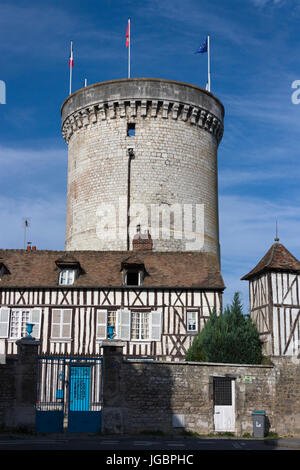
{"x":130,"y":157}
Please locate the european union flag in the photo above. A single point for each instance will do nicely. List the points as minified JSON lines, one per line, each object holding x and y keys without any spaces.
{"x":202,"y":48}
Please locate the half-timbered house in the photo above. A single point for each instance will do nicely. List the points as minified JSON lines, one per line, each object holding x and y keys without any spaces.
{"x":274,"y":292}
{"x":156,"y":301}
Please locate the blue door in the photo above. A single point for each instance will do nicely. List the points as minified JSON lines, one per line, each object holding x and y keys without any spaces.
{"x":81,"y":418}
{"x":80,"y":388}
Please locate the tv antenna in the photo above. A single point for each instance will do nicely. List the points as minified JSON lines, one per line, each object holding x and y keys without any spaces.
{"x":26,"y":224}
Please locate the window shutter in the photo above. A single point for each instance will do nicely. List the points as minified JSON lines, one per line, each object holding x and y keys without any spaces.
{"x":125,"y":325}
{"x":155,"y":325}
{"x":35,"y":318}
{"x":101,"y":324}
{"x":67,"y":323}
{"x":4,"y":321}
{"x":55,"y":325}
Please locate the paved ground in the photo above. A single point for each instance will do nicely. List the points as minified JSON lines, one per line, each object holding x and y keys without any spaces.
{"x":113,"y":444}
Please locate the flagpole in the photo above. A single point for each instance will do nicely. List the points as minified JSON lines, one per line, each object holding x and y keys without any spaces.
{"x":71,"y":67}
{"x":129,"y":46}
{"x":208,"y":62}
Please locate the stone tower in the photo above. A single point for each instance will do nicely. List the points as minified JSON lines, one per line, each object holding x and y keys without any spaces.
{"x":142,"y":152}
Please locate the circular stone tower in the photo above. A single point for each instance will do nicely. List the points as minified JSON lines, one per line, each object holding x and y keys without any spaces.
{"x":142,"y":152}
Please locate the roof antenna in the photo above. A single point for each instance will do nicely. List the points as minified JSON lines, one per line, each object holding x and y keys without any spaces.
{"x":26,"y":225}
{"x":276,"y":239}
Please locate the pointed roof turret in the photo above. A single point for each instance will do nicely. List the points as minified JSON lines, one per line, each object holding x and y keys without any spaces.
{"x":278,"y":258}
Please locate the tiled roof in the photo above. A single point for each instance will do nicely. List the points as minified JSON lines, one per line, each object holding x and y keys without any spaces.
{"x":104,"y":268}
{"x":278,"y":258}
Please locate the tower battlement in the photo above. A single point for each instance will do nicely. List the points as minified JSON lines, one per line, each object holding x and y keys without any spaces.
{"x":142,"y":143}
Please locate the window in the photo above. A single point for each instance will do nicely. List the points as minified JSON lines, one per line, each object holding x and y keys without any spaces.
{"x":104,"y":320}
{"x":135,"y":326}
{"x":111,"y":318}
{"x":222,"y":391}
{"x":67,"y":277}
{"x":61,"y":323}
{"x":140,"y":325}
{"x":133,"y":278}
{"x":192,"y":322}
{"x":13,"y":323}
{"x":18,"y":320}
{"x":131,"y":129}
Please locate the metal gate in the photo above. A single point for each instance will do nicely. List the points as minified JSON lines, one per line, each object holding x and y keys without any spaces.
{"x":69,"y":395}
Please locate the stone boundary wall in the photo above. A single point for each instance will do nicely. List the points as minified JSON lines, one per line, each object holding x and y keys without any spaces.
{"x":146,"y":395}
{"x":149,"y":394}
{"x":18,"y":378}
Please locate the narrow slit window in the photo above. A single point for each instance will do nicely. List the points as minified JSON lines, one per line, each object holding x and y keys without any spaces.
{"x":131,"y":129}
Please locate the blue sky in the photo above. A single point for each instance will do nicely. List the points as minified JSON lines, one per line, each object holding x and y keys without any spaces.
{"x":255,"y":48}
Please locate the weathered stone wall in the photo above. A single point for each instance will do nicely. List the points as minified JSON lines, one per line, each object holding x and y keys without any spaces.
{"x":287,"y":395}
{"x":155,"y":392}
{"x":18,"y":381}
{"x":7,"y":388}
{"x":151,"y":393}
{"x":178,"y":128}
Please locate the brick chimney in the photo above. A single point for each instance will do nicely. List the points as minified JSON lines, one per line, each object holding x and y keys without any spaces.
{"x":142,"y":241}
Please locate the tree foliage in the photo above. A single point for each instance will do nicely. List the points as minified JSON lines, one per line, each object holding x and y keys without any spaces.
{"x":230,"y":337}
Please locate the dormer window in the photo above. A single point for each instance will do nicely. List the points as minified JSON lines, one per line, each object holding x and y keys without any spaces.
{"x":133,"y":277}
{"x":69,"y":268}
{"x":67,"y":277}
{"x":133,"y":271}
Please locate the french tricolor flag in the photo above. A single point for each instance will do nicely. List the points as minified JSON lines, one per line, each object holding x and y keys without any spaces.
{"x":71,"y":61}
{"x":128,"y":34}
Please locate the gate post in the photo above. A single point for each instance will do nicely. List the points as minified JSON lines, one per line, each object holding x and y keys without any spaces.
{"x":25,"y":383}
{"x":112,"y":415}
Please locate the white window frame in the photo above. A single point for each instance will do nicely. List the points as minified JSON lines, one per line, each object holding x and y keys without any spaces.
{"x":141,"y":317}
{"x":61,"y":324}
{"x":21,"y":326}
{"x":154,"y":319}
{"x":67,"y":276}
{"x":188,"y":313}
